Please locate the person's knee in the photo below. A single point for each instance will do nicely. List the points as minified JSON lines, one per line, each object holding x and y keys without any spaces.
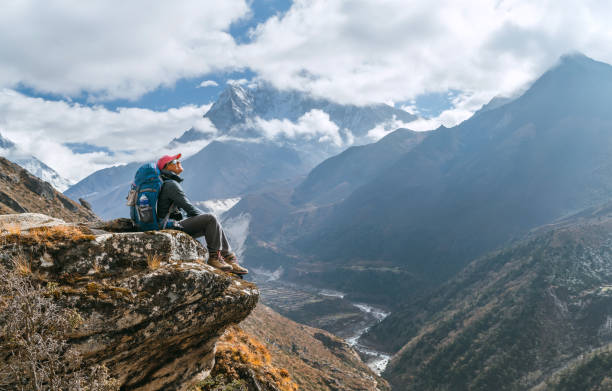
{"x":211,"y":218}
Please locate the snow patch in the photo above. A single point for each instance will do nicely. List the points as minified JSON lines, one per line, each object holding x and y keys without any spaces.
{"x":377,"y":313}
{"x":237,"y":228}
{"x":331,"y":293}
{"x":270,"y":275}
{"x":218,"y":207}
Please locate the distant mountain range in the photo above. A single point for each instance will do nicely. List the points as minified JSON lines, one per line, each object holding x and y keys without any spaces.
{"x":11,"y":151}
{"x":242,"y":159}
{"x":463,"y":191}
{"x":237,"y":107}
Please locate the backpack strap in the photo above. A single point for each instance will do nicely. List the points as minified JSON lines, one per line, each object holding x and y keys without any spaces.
{"x":165,"y":220}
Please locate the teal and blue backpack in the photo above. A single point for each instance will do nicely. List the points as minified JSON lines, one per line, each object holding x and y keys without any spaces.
{"x":142,"y":199}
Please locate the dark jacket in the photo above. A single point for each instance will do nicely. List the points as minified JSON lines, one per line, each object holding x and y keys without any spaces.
{"x":172,"y":194}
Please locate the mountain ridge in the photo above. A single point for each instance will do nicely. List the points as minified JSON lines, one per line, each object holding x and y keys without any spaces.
{"x":522,"y":164}
{"x":512,"y":318}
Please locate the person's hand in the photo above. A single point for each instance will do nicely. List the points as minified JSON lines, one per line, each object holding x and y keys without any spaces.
{"x":176,"y":216}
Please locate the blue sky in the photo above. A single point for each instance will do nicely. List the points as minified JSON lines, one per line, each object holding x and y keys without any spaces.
{"x":81,"y":82}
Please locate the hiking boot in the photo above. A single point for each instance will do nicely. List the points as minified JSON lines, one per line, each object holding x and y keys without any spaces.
{"x":215,"y":260}
{"x":230,"y":259}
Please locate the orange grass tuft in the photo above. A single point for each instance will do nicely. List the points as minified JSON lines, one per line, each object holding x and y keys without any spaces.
{"x":154,"y":261}
{"x":22,"y":266}
{"x":46,"y":236}
{"x":10,"y":229}
{"x":238,"y":349}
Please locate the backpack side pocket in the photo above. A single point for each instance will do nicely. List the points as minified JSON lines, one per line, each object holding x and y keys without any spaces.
{"x":132,"y":196}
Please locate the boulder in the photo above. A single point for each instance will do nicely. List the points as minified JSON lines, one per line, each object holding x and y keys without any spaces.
{"x":26,"y":221}
{"x":152,"y":309}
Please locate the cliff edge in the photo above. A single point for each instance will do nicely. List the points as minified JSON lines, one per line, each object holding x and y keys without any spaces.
{"x":152,"y":310}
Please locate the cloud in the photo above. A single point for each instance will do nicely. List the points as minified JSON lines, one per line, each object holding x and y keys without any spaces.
{"x":315,"y":124}
{"x":364,"y":51}
{"x":357,"y":51}
{"x":237,"y":228}
{"x":112,"y":48}
{"x":383,"y":129}
{"x":350,"y":51}
{"x":41,"y":128}
{"x":463,"y":107}
{"x":208,"y":83}
{"x":237,"y":82}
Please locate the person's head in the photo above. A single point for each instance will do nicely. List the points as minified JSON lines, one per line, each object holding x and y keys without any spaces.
{"x":170,"y":163}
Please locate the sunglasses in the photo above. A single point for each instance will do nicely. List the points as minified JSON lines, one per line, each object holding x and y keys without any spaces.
{"x":175,"y":161}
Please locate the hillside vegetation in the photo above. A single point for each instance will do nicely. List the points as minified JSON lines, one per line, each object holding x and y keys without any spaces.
{"x":513,"y":318}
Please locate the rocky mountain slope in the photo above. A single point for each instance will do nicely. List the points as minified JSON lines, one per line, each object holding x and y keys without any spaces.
{"x":316,"y":359}
{"x":466,"y":190}
{"x":337,"y":177}
{"x":284,"y":212}
{"x":150,"y":309}
{"x":21,"y":192}
{"x":518,"y":318}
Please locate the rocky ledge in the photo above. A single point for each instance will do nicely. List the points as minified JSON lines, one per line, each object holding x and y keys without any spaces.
{"x":152,"y":309}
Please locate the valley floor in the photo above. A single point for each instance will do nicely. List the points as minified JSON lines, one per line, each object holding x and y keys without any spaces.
{"x":328,"y":310}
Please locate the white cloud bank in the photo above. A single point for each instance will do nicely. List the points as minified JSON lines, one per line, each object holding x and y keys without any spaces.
{"x":350,"y":51}
{"x":41,"y":128}
{"x":208,"y":83}
{"x":315,"y":124}
{"x":363,"y":51}
{"x":114,"y":48}
{"x":356,"y":51}
{"x":463,"y":107}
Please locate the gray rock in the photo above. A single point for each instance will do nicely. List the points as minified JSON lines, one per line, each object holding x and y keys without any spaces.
{"x":11,"y":203}
{"x":26,"y":221}
{"x":117,"y":225}
{"x":152,"y":309}
{"x":85,"y":204}
{"x":39,"y":187}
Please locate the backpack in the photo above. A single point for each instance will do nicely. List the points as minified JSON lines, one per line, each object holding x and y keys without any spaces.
{"x":142,"y":199}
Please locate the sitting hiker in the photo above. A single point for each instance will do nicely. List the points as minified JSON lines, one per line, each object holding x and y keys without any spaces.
{"x":172,"y":198}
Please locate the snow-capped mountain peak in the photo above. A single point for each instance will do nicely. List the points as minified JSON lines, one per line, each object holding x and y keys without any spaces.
{"x":234,"y":106}
{"x":36,"y":167}
{"x":240,"y":108}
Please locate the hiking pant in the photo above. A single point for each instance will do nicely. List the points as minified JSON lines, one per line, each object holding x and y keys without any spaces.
{"x":208,"y":226}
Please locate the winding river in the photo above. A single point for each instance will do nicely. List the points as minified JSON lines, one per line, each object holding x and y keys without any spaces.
{"x":377,"y":361}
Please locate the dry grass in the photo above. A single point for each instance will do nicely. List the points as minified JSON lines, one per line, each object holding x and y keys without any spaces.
{"x":46,"y":236}
{"x":22,"y":266}
{"x":10,"y":229}
{"x":237,"y":349}
{"x":154,"y":261}
{"x":97,"y":268}
{"x":37,"y":355}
